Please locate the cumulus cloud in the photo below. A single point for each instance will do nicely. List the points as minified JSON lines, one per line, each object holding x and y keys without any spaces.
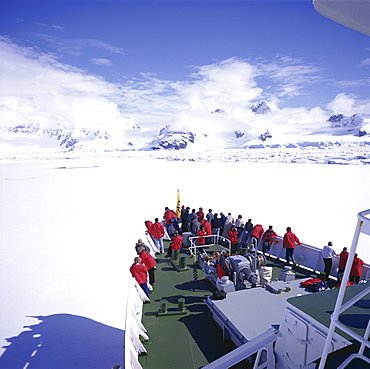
{"x":229,"y":83}
{"x":349,"y":104}
{"x":40,"y":90}
{"x":232,"y":86}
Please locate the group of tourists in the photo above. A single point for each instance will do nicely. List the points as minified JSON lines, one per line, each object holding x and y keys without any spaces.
{"x":201,"y":224}
{"x":355,"y":273}
{"x":240,"y":234}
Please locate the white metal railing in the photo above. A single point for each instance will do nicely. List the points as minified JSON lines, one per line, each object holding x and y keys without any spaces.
{"x":309,"y":257}
{"x":260,"y":344}
{"x":132,"y":345}
{"x":194,"y":247}
{"x":363,"y":226}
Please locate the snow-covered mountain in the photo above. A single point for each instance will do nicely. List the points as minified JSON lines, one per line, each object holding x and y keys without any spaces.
{"x":171,"y":140}
{"x":83,"y":138}
{"x":260,"y":107}
{"x":338,"y":129}
{"x":353,"y":124}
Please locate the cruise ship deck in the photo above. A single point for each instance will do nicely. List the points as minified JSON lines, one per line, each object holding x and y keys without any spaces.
{"x":193,"y":338}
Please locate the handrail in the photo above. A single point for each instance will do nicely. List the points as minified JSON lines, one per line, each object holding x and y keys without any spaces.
{"x":362,"y":226}
{"x":194,"y":247}
{"x":261,"y":342}
{"x":310,"y":257}
{"x":133,"y":326}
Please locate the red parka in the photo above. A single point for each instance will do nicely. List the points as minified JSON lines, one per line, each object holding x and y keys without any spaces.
{"x":257,"y":231}
{"x":176,"y":243}
{"x":220,"y":271}
{"x":289,"y":240}
{"x":356,"y":270}
{"x":148,"y":225}
{"x":168,"y":215}
{"x":201,"y":240}
{"x":200,"y":215}
{"x":233,"y":236}
{"x":207,"y":226}
{"x":139,"y":271}
{"x":343,"y":256}
{"x":147,"y":260}
{"x":270,"y":235}
{"x":157,"y":230}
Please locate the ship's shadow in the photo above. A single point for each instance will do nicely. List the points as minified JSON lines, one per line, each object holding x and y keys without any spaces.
{"x":63,"y":341}
{"x":197,"y":285}
{"x":201,"y":326}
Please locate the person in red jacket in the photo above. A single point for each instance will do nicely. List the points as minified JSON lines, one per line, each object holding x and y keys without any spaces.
{"x":256,"y":234}
{"x":149,"y":262}
{"x":356,"y":270}
{"x":140,"y":272}
{"x":176,"y":244}
{"x":200,"y":214}
{"x":267,"y":239}
{"x":232,"y":235}
{"x":148,"y":225}
{"x":207,"y":228}
{"x":170,"y":219}
{"x":157,"y":233}
{"x":343,"y":256}
{"x":201,"y":233}
{"x":289,"y":241}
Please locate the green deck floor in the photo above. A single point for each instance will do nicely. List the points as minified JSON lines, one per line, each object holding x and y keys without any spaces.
{"x":181,"y":341}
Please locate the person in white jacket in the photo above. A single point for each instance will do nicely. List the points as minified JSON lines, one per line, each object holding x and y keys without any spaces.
{"x":327,"y":256}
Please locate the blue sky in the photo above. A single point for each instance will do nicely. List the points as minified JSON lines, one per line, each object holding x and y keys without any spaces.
{"x":148,"y":60}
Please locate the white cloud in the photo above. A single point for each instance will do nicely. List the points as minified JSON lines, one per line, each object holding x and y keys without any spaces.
{"x":349,"y":105}
{"x":290,"y":76}
{"x":39,"y":89}
{"x":365,"y":62}
{"x":75,"y":46}
{"x":101,"y":61}
{"x":53,"y":26}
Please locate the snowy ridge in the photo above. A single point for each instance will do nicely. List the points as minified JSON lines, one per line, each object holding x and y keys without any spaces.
{"x":260,"y":107}
{"x":340,"y":137}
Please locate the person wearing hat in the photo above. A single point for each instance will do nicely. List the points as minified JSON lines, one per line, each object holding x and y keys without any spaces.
{"x":343,"y":256}
{"x":267,"y":239}
{"x":327,"y":256}
{"x":140,"y":244}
